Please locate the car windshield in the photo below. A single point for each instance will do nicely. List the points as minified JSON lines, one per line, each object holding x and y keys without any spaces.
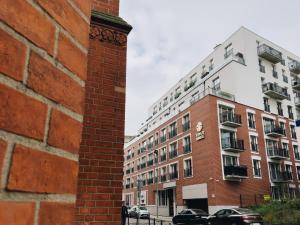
{"x":245,"y":211}
{"x":199,"y":211}
{"x":143,"y":208}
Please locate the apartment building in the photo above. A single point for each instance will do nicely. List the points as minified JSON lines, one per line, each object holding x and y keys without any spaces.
{"x":224,"y":136}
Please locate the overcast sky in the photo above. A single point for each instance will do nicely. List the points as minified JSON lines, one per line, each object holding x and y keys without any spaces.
{"x":170,"y":37}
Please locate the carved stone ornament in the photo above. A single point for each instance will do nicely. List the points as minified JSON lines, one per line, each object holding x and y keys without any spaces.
{"x":108,"y":35}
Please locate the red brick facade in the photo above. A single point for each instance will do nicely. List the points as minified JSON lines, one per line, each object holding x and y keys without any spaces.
{"x":207,"y":159}
{"x":47,"y":98}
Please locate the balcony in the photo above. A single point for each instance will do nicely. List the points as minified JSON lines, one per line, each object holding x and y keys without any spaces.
{"x":296,"y":84}
{"x":269,"y":53}
{"x":278,"y":153}
{"x":163,"y":178}
{"x":172,"y":133}
{"x":232,"y":145}
{"x":186,"y":126}
{"x":235,"y":173}
{"x":150,"y":181}
{"x":294,"y":67}
{"x":281,"y":177}
{"x":275,"y":91}
{"x":186,"y":148}
{"x":275,"y":132}
{"x":163,"y":157}
{"x":188,"y":172}
{"x":173,"y":175}
{"x":172,"y":154}
{"x":231,"y":119}
{"x":150,"y":162}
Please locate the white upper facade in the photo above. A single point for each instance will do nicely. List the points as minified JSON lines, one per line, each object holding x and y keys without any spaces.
{"x":233,"y":70}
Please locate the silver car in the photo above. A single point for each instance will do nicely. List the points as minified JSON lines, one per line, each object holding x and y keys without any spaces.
{"x":139,"y":212}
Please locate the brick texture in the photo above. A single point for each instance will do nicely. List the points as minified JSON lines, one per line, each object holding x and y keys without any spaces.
{"x":52,"y":213}
{"x":12,"y":56}
{"x":46,"y":173}
{"x":22,"y":115}
{"x":107,"y":6}
{"x":84,"y":6}
{"x":3,"y":146}
{"x":64,"y":132}
{"x":52,"y":83}
{"x":71,"y":56}
{"x":24,"y":18}
{"x":17,"y":213}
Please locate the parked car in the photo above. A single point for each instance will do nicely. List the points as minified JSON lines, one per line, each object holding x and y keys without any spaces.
{"x":128,"y":209}
{"x":191,"y":216}
{"x":139,"y":212}
{"x":236,"y":216}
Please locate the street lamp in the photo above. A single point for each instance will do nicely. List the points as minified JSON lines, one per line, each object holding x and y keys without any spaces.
{"x":156,"y":162}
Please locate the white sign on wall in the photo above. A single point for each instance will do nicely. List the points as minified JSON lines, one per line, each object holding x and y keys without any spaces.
{"x":200,"y":134}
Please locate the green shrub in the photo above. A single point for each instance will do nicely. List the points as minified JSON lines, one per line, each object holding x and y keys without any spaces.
{"x":285,"y":212}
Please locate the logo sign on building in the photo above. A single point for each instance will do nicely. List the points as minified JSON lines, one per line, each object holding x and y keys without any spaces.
{"x":200,"y":134}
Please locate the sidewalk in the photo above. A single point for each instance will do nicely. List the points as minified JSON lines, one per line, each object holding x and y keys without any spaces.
{"x":164,"y":218}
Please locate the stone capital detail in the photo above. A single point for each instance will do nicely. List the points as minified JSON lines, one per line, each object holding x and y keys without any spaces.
{"x":107,"y":35}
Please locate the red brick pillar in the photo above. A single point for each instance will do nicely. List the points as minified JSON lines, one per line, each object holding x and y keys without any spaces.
{"x":43,"y":61}
{"x":101,"y":152}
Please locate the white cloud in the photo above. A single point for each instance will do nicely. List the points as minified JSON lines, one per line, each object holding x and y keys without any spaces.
{"x":170,"y":37}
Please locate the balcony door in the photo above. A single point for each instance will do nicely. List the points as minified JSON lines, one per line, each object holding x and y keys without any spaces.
{"x":227,"y":138}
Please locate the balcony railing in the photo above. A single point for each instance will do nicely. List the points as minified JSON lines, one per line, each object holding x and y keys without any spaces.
{"x":127,"y":186}
{"x":186,"y":126}
{"x":150,"y":162}
{"x":172,"y":133}
{"x":231,"y":119}
{"x":296,"y":84}
{"x":277,"y":153}
{"x":163,"y":178}
{"x":187,"y":148}
{"x":294,"y":67}
{"x":281,"y":177}
{"x":172,"y":154}
{"x":274,"y":131}
{"x":163,"y":157}
{"x":232,"y":145}
{"x":269,"y":53}
{"x":188,"y":172}
{"x":173,"y":175}
{"x":235,"y":172}
{"x":275,"y":91}
{"x":297,"y":101}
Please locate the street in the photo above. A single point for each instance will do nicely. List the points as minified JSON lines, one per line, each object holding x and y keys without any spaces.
{"x":133,"y":221}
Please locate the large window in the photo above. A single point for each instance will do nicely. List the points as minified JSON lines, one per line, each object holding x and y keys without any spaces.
{"x":173,"y":150}
{"x":253,"y":142}
{"x":293,"y":132}
{"x":173,"y":130}
{"x":256,"y":168}
{"x":186,"y":122}
{"x":266,"y":104}
{"x":269,"y":124}
{"x":162,"y":198}
{"x":230,"y":160}
{"x":188,"y":168}
{"x":173,"y":170}
{"x":296,"y":152}
{"x":187,"y":144}
{"x":251,"y":120}
{"x":298,"y":172}
{"x":282,"y":126}
{"x":163,"y":154}
{"x":163,"y":135}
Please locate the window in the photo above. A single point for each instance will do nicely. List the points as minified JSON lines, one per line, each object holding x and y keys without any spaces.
{"x":290,"y":112}
{"x":274,"y":73}
{"x":163,"y":154}
{"x":272,"y":147}
{"x":173,"y":170}
{"x":261,"y":67}
{"x":162,"y":198}
{"x":285,"y":148}
{"x":230,"y":160}
{"x":186,"y":144}
{"x":298,"y":172}
{"x":163,"y":135}
{"x":284,"y":77}
{"x":251,"y":120}
{"x":173,"y":130}
{"x":228,"y":139}
{"x":163,"y":174}
{"x":253,"y":142}
{"x":288,"y":170}
{"x":282,"y":126}
{"x":268,"y":125}
{"x":228,"y":51}
{"x":256,"y":168}
{"x":173,"y":150}
{"x":216,"y":84}
{"x":165,"y":102}
{"x":186,"y":123}
{"x":150,"y":160}
{"x":293,"y":132}
{"x":211,"y":64}
{"x":279,"y":108}
{"x":150,"y":142}
{"x":150,"y":177}
{"x":266,"y":104}
{"x":296,"y":152}
{"x":187,"y":168}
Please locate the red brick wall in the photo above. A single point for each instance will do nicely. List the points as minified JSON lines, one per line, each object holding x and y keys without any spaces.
{"x":106,"y":6}
{"x":43,"y":64}
{"x":101,"y":152}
